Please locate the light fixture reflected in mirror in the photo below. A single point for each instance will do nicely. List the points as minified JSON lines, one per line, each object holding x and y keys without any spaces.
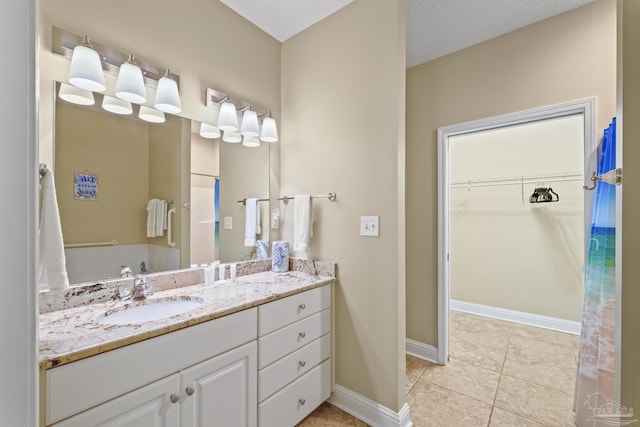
{"x":209,"y":131}
{"x":167,"y":95}
{"x":269,"y":132}
{"x":250,"y":125}
{"x":152,"y":115}
{"x":232,"y":136}
{"x":130,"y":83}
{"x":228,"y":118}
{"x":75,"y":95}
{"x":251,"y":141}
{"x":116,"y":105}
{"x":85,"y":71}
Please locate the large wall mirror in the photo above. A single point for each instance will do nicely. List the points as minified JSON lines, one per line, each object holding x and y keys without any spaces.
{"x":134,"y":161}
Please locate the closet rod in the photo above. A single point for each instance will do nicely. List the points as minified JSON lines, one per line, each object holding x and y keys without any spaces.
{"x":518,"y":180}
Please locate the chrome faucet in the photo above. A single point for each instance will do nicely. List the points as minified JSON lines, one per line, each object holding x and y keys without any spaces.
{"x":125,"y":272}
{"x":139,"y":291}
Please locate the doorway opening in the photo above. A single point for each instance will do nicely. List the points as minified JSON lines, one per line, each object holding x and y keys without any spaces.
{"x":528,"y":197}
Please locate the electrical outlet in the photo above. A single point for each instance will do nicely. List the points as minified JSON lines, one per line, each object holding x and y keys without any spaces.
{"x":228,"y":223}
{"x":369,"y":226}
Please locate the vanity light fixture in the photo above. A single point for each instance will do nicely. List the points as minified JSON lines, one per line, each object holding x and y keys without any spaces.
{"x":85,"y":71}
{"x":130,"y":83}
{"x":116,"y":105}
{"x":269,"y":132}
{"x":167,"y":95}
{"x":152,"y":115}
{"x":250,"y":126}
{"x":250,"y":141}
{"x":75,"y":95}
{"x":228,"y":118}
{"x":232,"y":136}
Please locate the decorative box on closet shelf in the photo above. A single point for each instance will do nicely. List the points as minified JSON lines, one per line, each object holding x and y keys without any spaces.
{"x":294,"y":357}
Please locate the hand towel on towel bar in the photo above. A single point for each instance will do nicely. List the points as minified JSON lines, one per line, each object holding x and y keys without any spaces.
{"x":52,"y":270}
{"x":156,"y":217}
{"x":250,"y":222}
{"x":301,"y":223}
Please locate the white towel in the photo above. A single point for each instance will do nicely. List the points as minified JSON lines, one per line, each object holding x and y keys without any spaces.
{"x":301,"y":223}
{"x":52,"y":271}
{"x":258,"y":219}
{"x":161,"y":214}
{"x":156,"y":217}
{"x":251,"y":206}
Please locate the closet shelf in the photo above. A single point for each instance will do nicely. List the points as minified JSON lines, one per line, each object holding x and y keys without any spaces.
{"x":518,"y":180}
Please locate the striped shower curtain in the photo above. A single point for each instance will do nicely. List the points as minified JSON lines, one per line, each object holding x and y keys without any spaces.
{"x":595,"y":403}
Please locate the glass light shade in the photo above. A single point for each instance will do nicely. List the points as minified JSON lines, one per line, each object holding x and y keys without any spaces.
{"x":232,"y":136}
{"x":251,"y":141}
{"x":75,"y":95}
{"x":85,"y":71}
{"x":130,"y":84}
{"x":167,"y":95}
{"x":116,"y":105}
{"x":250,"y":125}
{"x":149,"y":114}
{"x":269,"y":131}
{"x":209,"y":131}
{"x":228,"y":118}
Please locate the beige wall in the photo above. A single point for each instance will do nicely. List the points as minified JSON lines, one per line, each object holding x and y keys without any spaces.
{"x":343,"y":131}
{"x":116,"y":150}
{"x":506,"y":252}
{"x":568,"y":57}
{"x":629,"y":243}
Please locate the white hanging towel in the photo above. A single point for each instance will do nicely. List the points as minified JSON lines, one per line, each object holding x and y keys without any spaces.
{"x":301,"y":223}
{"x":156,"y":217}
{"x":258,"y":219}
{"x":52,"y":271}
{"x":250,"y":215}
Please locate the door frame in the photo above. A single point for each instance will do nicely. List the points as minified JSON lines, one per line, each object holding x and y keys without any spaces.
{"x":586,"y":107}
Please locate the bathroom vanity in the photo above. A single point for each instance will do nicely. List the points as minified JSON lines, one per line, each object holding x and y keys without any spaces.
{"x":256,"y":352}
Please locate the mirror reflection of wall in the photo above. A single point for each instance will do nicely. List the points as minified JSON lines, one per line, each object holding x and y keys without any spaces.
{"x":134,"y":161}
{"x":205,"y":201}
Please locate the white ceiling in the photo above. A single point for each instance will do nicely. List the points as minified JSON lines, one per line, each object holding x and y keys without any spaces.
{"x":434,"y":27}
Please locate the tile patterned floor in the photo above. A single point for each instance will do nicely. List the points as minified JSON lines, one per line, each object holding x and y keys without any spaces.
{"x":501,"y":374}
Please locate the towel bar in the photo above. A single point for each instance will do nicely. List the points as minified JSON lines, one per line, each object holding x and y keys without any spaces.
{"x":330,"y":196}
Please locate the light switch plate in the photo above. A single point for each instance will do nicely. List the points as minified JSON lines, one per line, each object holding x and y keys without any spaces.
{"x":228,"y":223}
{"x":370,"y":226}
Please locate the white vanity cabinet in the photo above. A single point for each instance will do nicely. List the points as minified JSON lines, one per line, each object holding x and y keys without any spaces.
{"x":294,"y":357}
{"x":201,"y":375}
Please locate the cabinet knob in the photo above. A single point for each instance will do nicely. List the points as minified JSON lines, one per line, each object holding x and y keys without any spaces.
{"x":302,"y":363}
{"x":302,"y":335}
{"x":301,"y":307}
{"x":190,"y":391}
{"x":174,"y":398}
{"x":301,"y":401}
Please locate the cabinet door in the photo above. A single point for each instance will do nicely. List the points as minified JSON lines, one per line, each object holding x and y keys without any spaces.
{"x":222,"y":391}
{"x":149,"y":406}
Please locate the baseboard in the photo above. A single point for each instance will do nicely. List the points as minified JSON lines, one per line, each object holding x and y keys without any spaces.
{"x":421,"y":350}
{"x":367,"y":410}
{"x":553,"y":323}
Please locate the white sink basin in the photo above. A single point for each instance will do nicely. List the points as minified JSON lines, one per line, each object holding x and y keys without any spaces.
{"x":149,"y":310}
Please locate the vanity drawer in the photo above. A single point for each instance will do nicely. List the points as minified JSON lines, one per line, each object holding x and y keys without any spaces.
{"x":290,"y":338}
{"x":280,"y":313}
{"x":294,"y":402}
{"x":279,"y":374}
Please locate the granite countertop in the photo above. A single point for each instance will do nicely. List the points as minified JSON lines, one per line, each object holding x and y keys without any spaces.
{"x":73,"y":334}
